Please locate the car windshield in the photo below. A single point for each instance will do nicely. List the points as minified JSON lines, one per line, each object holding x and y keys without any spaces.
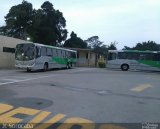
{"x":25,"y":52}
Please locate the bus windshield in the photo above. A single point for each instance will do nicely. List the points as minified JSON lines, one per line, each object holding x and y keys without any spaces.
{"x":25,"y":52}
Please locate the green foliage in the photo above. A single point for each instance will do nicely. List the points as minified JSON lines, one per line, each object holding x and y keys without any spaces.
{"x":45,"y":25}
{"x":101,"y":64}
{"x":18,"y":20}
{"x":150,"y":45}
{"x":94,"y":42}
{"x":127,"y":48}
{"x":98,"y":46}
{"x":112,"y":46}
{"x":75,"y":42}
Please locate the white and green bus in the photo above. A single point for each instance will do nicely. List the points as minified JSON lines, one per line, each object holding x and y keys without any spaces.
{"x":34,"y":56}
{"x":134,"y":60}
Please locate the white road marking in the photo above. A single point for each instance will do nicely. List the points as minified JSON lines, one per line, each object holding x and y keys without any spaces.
{"x":81,"y":70}
{"x":20,"y":77}
{"x":12,"y":80}
{"x":30,"y":79}
{"x":141,"y":88}
{"x":16,"y":79}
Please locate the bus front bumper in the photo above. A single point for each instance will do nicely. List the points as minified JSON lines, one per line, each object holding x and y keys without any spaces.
{"x":24,"y":67}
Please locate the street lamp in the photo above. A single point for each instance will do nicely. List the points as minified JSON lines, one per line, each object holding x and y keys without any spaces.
{"x":28,"y":38}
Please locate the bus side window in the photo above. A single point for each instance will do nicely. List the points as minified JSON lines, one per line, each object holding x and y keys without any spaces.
{"x":156,"y":57}
{"x":54,"y":52}
{"x":112,"y":56}
{"x":73,"y":55}
{"x":141,"y":57}
{"x":149,"y":56}
{"x":146,"y":56}
{"x":132,"y":56}
{"x":63,"y":54}
{"x":49,"y":52}
{"x":135,"y":56}
{"x":66,"y":54}
{"x":38,"y":51}
{"x":122,"y":55}
{"x":43,"y":51}
{"x":59,"y":53}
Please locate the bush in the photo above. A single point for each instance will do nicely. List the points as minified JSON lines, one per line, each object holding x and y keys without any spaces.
{"x":102,"y":64}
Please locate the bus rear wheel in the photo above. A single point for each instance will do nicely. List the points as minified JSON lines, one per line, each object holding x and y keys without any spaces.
{"x":28,"y":70}
{"x":68,"y":65}
{"x":45,"y":68}
{"x":125,"y":67}
{"x":71,"y":65}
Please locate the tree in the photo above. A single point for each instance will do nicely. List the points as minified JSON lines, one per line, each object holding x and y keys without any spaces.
{"x":18,"y":21}
{"x":60,"y":25}
{"x":94,"y":42}
{"x":75,"y":42}
{"x":45,"y":25}
{"x":149,"y":45}
{"x":49,"y":27}
{"x":101,"y":49}
{"x":96,"y":45}
{"x":112,"y":46}
{"x":127,"y":48}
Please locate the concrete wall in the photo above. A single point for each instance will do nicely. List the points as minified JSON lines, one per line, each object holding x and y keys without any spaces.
{"x":7,"y":60}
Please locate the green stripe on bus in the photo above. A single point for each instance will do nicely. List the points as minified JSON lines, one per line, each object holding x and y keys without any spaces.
{"x":150,"y":63}
{"x":60,"y":60}
{"x":63,"y":60}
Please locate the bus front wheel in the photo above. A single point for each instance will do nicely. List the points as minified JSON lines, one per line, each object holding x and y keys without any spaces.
{"x":125,"y":67}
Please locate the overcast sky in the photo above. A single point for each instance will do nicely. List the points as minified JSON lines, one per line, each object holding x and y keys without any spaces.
{"x":124,"y":21}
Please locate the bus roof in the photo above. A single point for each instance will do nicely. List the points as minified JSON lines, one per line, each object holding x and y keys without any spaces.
{"x":42,"y":45}
{"x":137,"y":51}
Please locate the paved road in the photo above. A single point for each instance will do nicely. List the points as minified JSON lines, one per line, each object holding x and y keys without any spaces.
{"x":80,"y":94}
